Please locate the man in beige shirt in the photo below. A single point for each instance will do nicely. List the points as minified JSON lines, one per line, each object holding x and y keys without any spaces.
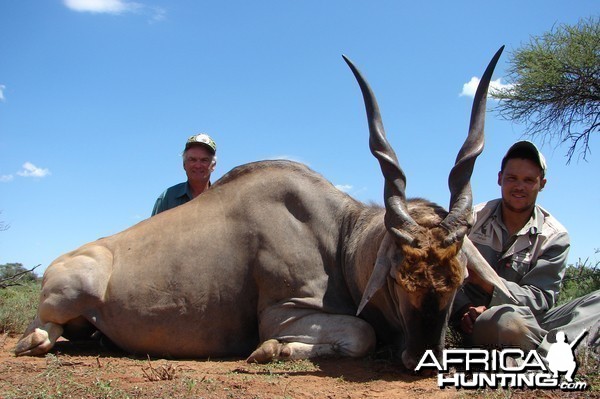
{"x":528,"y":249}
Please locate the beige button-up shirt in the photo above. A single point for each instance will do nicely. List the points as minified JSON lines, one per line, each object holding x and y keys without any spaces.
{"x":532,"y":262}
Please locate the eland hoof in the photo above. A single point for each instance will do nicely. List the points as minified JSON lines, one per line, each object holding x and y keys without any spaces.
{"x":266,"y":352}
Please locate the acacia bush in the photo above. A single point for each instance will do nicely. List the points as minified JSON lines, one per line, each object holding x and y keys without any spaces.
{"x":580,"y":279}
{"x":19,"y":295}
{"x":12,"y":274}
{"x":18,"y":306}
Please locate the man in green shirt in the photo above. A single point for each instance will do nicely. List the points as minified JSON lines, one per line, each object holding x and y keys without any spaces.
{"x":199,"y":161}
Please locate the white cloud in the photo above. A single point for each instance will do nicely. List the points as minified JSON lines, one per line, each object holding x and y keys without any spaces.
{"x":116,"y":7}
{"x":470,"y":88}
{"x":344,"y":187}
{"x":2,"y":87}
{"x":158,"y":14}
{"x":101,"y":6}
{"x":6,"y":178}
{"x":30,"y":170}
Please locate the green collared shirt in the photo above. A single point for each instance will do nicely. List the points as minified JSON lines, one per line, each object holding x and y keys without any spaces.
{"x":173,"y":196}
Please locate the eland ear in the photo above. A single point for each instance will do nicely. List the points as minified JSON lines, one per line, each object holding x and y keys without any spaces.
{"x":380,"y":272}
{"x":477,"y":264}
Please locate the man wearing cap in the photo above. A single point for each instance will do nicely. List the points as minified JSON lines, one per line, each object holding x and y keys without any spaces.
{"x":199,"y":161}
{"x":528,"y":249}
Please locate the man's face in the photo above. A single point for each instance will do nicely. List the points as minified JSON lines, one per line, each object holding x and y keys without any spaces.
{"x":520,"y":183}
{"x":198,"y":163}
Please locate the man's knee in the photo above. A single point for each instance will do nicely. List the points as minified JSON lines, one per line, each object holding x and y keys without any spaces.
{"x":502,"y":326}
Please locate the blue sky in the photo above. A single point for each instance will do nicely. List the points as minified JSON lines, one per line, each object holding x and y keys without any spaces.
{"x":97,"y":98}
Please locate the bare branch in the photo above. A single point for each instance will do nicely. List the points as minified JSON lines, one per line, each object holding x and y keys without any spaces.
{"x":14,"y":280}
{"x":3,"y":225}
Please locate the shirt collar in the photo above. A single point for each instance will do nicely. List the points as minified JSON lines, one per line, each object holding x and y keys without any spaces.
{"x":183,"y":190}
{"x":533,"y":225}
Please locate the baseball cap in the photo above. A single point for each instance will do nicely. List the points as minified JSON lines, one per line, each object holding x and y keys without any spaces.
{"x":203,"y":139}
{"x":527,"y":150}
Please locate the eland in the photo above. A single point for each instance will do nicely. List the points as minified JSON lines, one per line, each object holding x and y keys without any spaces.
{"x":274,"y":262}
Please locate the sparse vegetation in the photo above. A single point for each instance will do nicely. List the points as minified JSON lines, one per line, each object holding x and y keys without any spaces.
{"x":12,"y":274}
{"x":19,"y":294}
{"x":63,"y":380}
{"x":18,"y":306}
{"x":580,"y":279}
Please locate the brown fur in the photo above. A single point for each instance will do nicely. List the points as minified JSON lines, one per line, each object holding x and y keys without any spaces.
{"x":432,"y":268}
{"x":429,"y":265}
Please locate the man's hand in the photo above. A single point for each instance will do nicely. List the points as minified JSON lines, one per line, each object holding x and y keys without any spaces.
{"x":468,"y":319}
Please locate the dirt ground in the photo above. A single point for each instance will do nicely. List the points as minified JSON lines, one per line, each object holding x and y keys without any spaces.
{"x":86,"y":370}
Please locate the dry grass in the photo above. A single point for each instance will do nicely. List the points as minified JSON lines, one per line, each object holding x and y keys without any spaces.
{"x":164,"y":372}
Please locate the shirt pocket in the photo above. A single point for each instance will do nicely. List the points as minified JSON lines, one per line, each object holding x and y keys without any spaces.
{"x":520,"y":263}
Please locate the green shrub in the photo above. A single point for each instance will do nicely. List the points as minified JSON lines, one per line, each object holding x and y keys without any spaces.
{"x":16,"y":273}
{"x":580,"y":279}
{"x":18,"y":306}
